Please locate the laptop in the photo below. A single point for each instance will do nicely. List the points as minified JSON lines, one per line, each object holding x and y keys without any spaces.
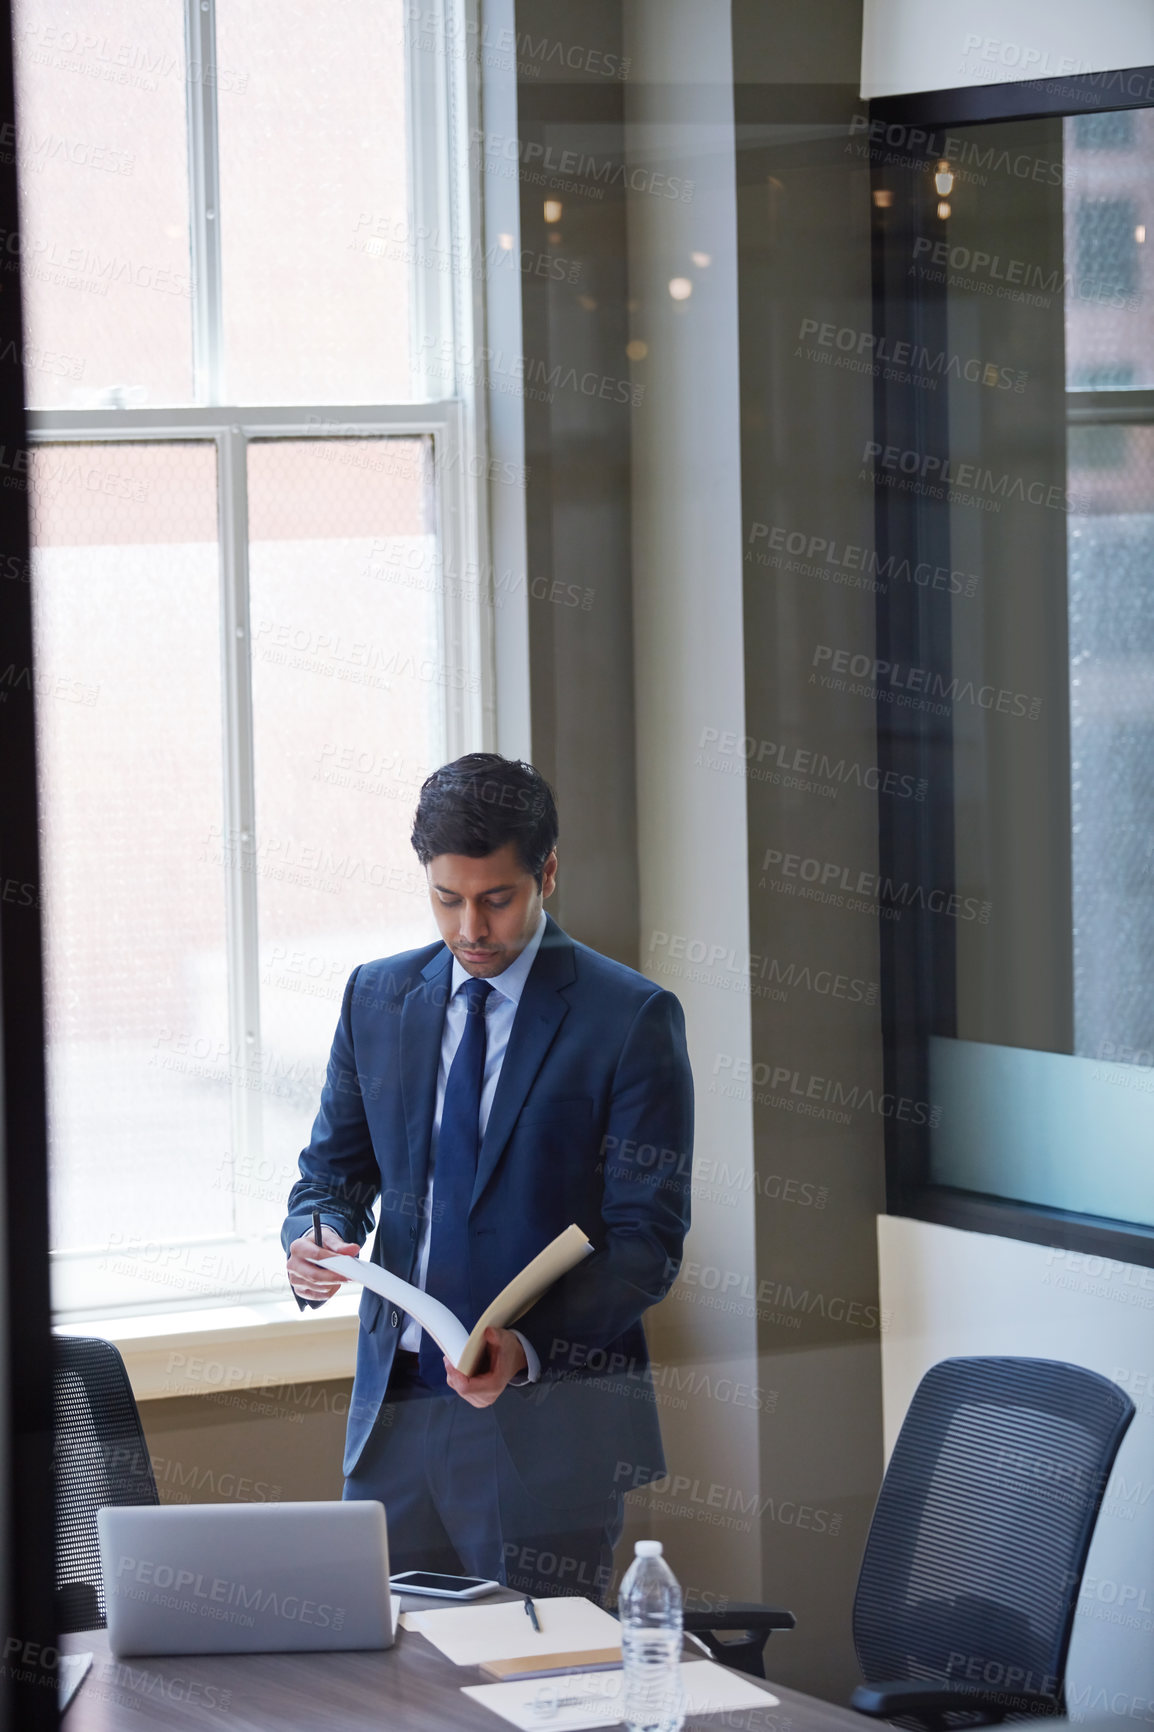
{"x":245,"y":1578}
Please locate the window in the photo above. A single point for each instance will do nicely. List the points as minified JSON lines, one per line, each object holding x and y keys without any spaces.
{"x":242,"y":233}
{"x":1103,"y":131}
{"x":1111,"y":545}
{"x":1019,"y":950}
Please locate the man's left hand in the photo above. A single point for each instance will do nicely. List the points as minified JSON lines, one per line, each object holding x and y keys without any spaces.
{"x":506,"y":1359}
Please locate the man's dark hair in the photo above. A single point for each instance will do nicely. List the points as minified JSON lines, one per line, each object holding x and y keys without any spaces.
{"x":478,"y":803}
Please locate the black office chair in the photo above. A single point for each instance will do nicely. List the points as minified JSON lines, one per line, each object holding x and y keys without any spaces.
{"x":99,"y":1458}
{"x":975,"y":1555}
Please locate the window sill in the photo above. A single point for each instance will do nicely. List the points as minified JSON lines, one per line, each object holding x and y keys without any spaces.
{"x":213,"y":1350}
{"x":1117,"y":1242}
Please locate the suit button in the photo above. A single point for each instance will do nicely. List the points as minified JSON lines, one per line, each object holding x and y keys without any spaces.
{"x":395,"y":1319}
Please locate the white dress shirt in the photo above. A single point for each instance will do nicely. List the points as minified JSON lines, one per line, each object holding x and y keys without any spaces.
{"x":500,"y":1009}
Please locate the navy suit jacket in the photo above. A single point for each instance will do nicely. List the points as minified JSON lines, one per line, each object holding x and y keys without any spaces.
{"x":591,"y":1121}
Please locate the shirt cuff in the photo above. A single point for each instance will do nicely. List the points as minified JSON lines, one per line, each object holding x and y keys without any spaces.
{"x":532,"y":1371}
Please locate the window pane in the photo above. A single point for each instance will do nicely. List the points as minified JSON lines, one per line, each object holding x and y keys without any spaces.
{"x":1104,"y":131}
{"x":1112,"y":739}
{"x":348,"y":695}
{"x":1043,"y":1097}
{"x":1109,"y":183}
{"x":314,"y":201}
{"x":1107,"y":246}
{"x":1074,"y":1132}
{"x":129,"y":719}
{"x":102,"y":135}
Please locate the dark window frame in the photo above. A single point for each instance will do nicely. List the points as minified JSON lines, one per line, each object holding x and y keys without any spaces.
{"x":27,"y":1523}
{"x":918,"y":965}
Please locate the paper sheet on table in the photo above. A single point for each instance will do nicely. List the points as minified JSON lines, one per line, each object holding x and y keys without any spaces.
{"x":466,"y":1635}
{"x":592,"y":1699}
{"x":71,"y":1674}
{"x":465,"y":1347}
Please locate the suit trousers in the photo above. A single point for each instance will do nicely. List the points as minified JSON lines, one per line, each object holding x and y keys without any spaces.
{"x":455,"y":1502}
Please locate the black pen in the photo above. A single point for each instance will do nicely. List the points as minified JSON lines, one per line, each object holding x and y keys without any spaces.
{"x":531,"y":1614}
{"x":317,"y":1228}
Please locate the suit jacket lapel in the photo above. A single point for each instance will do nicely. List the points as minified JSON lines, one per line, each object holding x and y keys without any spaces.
{"x":539,"y":1015}
{"x":422,"y":1024}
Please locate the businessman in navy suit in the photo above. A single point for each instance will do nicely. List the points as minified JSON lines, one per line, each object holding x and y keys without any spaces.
{"x":489,"y":1090}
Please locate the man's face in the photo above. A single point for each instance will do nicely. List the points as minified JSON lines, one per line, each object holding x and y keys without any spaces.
{"x":487,"y":910}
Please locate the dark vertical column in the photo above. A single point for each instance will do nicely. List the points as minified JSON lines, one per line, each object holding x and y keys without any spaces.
{"x":574,"y":376}
{"x":914,"y":630}
{"x":972,"y":504}
{"x":27,"y":1685}
{"x":1015,"y":972}
{"x":813,"y":791}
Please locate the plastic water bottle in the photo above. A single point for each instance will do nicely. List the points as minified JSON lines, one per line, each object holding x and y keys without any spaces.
{"x":649,"y":1605}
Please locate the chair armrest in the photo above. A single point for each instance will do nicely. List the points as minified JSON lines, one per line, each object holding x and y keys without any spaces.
{"x":740,"y":1615}
{"x":751,"y":1625}
{"x":917,"y":1696}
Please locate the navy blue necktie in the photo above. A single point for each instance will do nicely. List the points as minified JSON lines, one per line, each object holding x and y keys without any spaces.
{"x":455,"y":1173}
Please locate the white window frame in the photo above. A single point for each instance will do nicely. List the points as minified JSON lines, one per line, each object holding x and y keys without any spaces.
{"x":449,"y":309}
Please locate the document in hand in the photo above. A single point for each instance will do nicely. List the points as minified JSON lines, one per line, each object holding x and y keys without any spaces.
{"x":464,"y":1347}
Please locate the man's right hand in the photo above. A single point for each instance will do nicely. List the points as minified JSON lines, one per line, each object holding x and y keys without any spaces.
{"x":307,"y":1278}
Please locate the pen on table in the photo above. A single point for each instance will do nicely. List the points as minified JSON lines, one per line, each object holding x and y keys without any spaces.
{"x":551,"y":1704}
{"x":317,"y":1228}
{"x":531,"y":1614}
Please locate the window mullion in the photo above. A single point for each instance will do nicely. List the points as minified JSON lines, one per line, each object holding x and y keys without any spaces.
{"x":474,"y":636}
{"x":278,"y":421}
{"x":431,"y":320}
{"x":459,"y":613}
{"x":204,"y":200}
{"x":448,"y":321}
{"x":1108,"y":408}
{"x":239,"y":848}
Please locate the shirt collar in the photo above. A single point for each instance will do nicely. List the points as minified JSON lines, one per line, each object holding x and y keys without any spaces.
{"x":510,"y":983}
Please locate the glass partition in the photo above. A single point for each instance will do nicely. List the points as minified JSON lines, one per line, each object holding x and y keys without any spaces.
{"x":1014,"y":445}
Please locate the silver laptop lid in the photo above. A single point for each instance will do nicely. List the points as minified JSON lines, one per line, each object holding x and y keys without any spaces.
{"x":245,"y":1578}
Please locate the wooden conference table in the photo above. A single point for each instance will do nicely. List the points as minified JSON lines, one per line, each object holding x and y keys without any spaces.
{"x":410,"y":1687}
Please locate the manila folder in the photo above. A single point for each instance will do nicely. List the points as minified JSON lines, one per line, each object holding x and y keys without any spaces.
{"x":559,"y":1256}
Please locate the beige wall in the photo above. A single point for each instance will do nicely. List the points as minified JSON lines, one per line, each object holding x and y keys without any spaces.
{"x":277,"y":1445}
{"x":908,"y":45}
{"x":687,"y":602}
{"x":739,"y":428}
{"x":804,"y":260}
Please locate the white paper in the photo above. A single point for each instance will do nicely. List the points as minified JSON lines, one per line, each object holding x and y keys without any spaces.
{"x":469,"y":1635}
{"x":464,"y":1347}
{"x":72,"y":1672}
{"x":449,"y":1335}
{"x":592,"y":1699}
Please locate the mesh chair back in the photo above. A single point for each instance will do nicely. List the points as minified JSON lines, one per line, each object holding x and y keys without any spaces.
{"x":99,"y":1458}
{"x":978,"y":1542}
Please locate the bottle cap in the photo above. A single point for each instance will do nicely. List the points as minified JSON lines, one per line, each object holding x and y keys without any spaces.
{"x":648,"y":1549}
